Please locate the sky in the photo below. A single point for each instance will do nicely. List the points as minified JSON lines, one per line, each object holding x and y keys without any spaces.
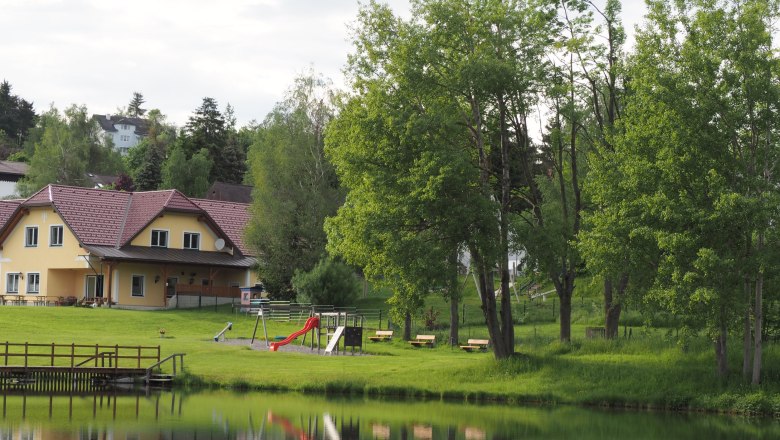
{"x":176,"y":52}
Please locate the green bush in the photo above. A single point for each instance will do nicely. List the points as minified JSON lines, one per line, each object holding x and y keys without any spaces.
{"x":330,"y":282}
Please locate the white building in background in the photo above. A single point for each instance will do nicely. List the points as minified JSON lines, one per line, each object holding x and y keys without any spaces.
{"x":126,"y":132}
{"x":10,"y":173}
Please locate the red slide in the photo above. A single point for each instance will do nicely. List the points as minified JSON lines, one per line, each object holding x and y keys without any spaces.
{"x":310,"y":324}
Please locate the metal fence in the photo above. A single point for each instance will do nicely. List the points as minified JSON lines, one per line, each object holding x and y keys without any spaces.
{"x":286,"y":311}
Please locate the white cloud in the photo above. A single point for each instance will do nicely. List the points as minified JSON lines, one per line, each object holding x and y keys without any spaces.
{"x":246,"y":52}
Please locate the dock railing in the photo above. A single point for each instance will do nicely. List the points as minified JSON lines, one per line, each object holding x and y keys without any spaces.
{"x":73,"y":355}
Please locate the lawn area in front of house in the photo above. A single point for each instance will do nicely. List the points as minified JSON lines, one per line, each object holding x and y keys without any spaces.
{"x":649,"y":370}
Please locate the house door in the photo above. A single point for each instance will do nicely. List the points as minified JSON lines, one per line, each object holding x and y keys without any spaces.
{"x":94,"y":286}
{"x":170,"y":286}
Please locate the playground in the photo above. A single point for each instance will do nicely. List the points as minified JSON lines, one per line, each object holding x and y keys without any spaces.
{"x":340,"y":329}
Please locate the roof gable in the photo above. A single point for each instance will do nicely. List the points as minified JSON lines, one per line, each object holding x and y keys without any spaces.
{"x":95,"y":216}
{"x":231,"y":217}
{"x":146,"y":206}
{"x":113,"y":218}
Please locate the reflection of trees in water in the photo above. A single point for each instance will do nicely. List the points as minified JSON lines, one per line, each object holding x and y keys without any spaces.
{"x":60,"y":407}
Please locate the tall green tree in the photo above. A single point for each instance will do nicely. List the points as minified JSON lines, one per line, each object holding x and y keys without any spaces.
{"x":476,"y":66}
{"x":17,"y":117}
{"x":134,"y":108}
{"x":690,"y":194}
{"x":190,"y":176}
{"x":295,"y":186}
{"x":583,"y":93}
{"x":207,"y":128}
{"x":66,"y":149}
{"x":62,"y":154}
{"x":145,"y":160}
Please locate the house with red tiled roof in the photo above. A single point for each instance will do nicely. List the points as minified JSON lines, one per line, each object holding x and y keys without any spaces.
{"x":151,"y":249}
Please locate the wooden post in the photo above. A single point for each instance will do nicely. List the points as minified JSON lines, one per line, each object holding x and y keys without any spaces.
{"x":6,"y":352}
{"x":97,"y":352}
{"x":25,"y":354}
{"x":72,"y":354}
{"x":52,"y":354}
{"x":165,"y":285}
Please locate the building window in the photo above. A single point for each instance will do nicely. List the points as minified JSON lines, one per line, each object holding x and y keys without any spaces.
{"x":124,"y":138}
{"x":31,"y":236}
{"x":159,"y":238}
{"x":191,"y":240}
{"x":12,"y":283}
{"x":33,"y":282}
{"x":138,"y":285}
{"x":55,"y":236}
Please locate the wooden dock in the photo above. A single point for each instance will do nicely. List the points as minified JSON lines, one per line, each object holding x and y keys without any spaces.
{"x":80,"y":368}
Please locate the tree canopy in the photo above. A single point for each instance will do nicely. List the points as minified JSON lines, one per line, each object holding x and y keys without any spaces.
{"x":295,"y":186}
{"x":17,"y":117}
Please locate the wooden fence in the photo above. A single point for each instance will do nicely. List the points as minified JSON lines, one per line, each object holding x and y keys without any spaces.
{"x":75,"y":355}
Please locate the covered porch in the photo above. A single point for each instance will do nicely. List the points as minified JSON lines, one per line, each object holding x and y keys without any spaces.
{"x":141,"y":277}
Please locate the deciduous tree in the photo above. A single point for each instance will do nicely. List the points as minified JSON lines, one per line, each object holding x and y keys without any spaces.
{"x":295,"y":186}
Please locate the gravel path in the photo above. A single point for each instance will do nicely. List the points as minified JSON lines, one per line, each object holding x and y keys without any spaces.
{"x":292,"y":347}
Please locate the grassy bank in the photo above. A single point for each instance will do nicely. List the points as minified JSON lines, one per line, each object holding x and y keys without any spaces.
{"x":647,"y":371}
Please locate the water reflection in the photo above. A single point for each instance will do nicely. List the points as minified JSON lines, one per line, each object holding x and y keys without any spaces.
{"x":134,"y":414}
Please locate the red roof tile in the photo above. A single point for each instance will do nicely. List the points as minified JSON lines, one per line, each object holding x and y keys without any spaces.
{"x":96,"y":216}
{"x":7,"y":209}
{"x":179,"y":202}
{"x":145,"y":206}
{"x":112,"y":218}
{"x":231,"y":217}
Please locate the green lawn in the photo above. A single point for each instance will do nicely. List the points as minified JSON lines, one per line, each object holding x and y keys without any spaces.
{"x":649,"y":370}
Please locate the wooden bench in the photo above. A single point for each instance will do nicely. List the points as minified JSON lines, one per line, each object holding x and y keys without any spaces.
{"x":424,"y":340}
{"x":476,"y":344}
{"x":382,"y":335}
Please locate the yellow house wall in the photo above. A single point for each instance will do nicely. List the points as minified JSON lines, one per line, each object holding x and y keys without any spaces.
{"x":63,"y":269}
{"x":19,"y":258}
{"x":177,"y":224}
{"x":154,"y":292}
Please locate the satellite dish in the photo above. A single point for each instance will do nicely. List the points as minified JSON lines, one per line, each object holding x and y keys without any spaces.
{"x":219,"y":244}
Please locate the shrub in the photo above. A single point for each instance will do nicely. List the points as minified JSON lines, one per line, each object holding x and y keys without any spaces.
{"x":329,"y":282}
{"x":430,"y":317}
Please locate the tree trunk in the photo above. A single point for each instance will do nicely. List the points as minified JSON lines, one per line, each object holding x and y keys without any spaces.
{"x":488,"y":298}
{"x":454,"y":320}
{"x":564,"y":286}
{"x":610,"y":321}
{"x":564,"y":294}
{"x":408,"y":326}
{"x":759,"y":321}
{"x":508,"y":328}
{"x":721,"y":354}
{"x":613,"y":305}
{"x":565,"y":312}
{"x":747,"y":340}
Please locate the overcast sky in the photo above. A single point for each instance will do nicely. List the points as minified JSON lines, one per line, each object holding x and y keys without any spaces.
{"x":175,"y":52}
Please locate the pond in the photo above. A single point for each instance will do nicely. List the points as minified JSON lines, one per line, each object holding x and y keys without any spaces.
{"x":230,"y":415}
